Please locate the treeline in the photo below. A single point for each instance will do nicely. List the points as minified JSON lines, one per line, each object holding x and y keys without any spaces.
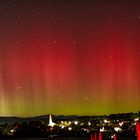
{"x":37,"y":129}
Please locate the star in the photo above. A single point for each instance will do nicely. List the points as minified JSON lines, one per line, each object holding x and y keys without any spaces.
{"x":99,"y":47}
{"x":74,"y":42}
{"x":19,"y":87}
{"x":31,"y":59}
{"x":54,"y":41}
{"x":87,"y":99}
{"x":17,"y":42}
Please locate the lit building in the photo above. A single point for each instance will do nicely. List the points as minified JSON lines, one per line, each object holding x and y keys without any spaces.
{"x":51,"y":123}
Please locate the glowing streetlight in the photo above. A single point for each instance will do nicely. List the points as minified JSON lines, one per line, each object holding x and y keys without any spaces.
{"x":76,"y":122}
{"x":89,"y":123}
{"x":70,"y":128}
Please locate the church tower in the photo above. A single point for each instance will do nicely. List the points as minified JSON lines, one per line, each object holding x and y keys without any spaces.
{"x":50,"y":121}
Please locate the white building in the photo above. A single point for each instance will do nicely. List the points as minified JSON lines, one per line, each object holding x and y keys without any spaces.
{"x":51,"y":123}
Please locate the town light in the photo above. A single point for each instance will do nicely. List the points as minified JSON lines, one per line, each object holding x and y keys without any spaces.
{"x":76,"y":122}
{"x":89,"y":123}
{"x":117,"y":129}
{"x":70,"y":128}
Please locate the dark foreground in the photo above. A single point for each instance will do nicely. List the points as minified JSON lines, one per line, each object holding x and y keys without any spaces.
{"x":66,"y":138}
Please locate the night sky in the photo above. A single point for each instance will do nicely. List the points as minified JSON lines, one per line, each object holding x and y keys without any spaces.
{"x":70,"y":57}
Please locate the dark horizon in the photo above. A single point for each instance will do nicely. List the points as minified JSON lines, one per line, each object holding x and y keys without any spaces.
{"x":58,"y":115}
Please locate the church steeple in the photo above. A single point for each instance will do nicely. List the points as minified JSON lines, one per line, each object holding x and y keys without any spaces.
{"x":50,"y":121}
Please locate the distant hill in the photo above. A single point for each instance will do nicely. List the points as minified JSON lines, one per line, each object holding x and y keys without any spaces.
{"x":120,"y":116}
{"x":28,"y":119}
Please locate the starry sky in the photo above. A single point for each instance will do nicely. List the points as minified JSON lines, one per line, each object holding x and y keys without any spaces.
{"x":70,"y":57}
